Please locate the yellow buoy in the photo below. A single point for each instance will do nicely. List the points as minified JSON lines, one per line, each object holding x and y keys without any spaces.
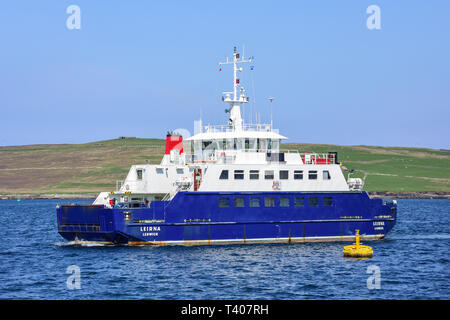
{"x":357,"y":250}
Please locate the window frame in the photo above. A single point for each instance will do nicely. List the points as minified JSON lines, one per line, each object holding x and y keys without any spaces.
{"x":311,"y":201}
{"x":254,"y":200}
{"x":312,"y":173}
{"x":327,"y":201}
{"x":255,"y":174}
{"x":237,"y":202}
{"x":224,"y":202}
{"x":281,"y":175}
{"x":286,"y":205}
{"x":271,"y":201}
{"x":266,"y":177}
{"x":238,"y":172}
{"x":297,"y":202}
{"x":227,"y":174}
{"x":298,"y":173}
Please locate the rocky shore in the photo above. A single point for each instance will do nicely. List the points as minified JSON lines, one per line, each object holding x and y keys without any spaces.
{"x":410,"y":195}
{"x":384,"y":195}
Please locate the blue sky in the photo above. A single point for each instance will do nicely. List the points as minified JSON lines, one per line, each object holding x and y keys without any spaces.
{"x":141,"y":68}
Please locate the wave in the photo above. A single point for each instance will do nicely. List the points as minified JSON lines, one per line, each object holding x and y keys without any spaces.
{"x":436,"y":236}
{"x":83,"y":243}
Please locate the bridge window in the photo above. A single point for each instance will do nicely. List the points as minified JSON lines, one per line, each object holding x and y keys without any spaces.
{"x":254,"y":202}
{"x":269,"y":202}
{"x":313,"y":201}
{"x":224,"y":202}
{"x":312,"y":175}
{"x":254,"y":174}
{"x":327,"y":201}
{"x":299,"y":201}
{"x":284,"y":202}
{"x":139,"y":174}
{"x":206,"y":144}
{"x":239,"y":202}
{"x":269,"y":175}
{"x":326,"y":175}
{"x":298,"y":174}
{"x":284,"y":174}
{"x":238,"y":174}
{"x":224,"y":175}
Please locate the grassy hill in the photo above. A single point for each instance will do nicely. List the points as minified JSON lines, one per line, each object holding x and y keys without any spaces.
{"x":95,"y":167}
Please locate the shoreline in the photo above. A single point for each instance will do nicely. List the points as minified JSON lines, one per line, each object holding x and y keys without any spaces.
{"x":374,"y":195}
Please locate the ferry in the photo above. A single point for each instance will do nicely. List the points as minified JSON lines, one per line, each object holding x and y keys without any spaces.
{"x":231,"y":183}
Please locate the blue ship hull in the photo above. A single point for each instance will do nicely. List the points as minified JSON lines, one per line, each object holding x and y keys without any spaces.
{"x":232,"y":217}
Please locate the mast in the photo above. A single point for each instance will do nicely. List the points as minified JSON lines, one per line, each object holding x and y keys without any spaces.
{"x":235,"y":102}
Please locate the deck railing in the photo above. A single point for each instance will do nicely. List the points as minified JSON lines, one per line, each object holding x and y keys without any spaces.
{"x":220,"y":156}
{"x":260,"y":127}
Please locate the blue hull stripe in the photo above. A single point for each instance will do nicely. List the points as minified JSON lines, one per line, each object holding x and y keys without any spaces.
{"x":198,"y":218}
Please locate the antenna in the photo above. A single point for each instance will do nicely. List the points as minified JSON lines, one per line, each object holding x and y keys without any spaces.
{"x":233,"y":98}
{"x":271,"y":120}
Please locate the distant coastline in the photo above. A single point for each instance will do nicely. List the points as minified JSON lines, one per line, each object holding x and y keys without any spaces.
{"x":76,"y":171}
{"x":378,"y":195}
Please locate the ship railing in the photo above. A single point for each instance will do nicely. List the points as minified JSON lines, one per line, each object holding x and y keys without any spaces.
{"x":210,"y":157}
{"x":288,"y":151}
{"x":224,"y":157}
{"x":318,"y":158}
{"x":119,"y":184}
{"x":258,"y":127}
{"x":128,"y":185}
{"x":166,"y":197}
{"x":355,"y":184}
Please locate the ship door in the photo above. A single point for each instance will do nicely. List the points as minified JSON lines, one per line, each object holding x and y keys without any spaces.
{"x":197,"y":178}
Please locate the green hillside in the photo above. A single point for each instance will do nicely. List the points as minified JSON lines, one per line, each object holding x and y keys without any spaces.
{"x":95,"y":167}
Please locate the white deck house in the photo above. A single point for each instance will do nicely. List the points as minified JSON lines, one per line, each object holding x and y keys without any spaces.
{"x":235,"y":157}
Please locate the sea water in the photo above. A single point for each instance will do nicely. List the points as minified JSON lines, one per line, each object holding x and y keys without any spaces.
{"x":412,"y":262}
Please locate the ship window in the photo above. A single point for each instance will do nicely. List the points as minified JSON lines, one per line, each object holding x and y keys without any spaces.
{"x":224,"y":202}
{"x":238,"y":174}
{"x":312,"y":175}
{"x":139,"y":174}
{"x":254,"y":202}
{"x":284,"y":174}
{"x":206,"y":144}
{"x":159,"y":170}
{"x":269,"y":202}
{"x":299,"y":201}
{"x":180,"y":171}
{"x":269,"y":175}
{"x":327,"y":201}
{"x":224,"y":175}
{"x":284,"y":202}
{"x":254,"y":174}
{"x":326,"y":175}
{"x":313,"y":201}
{"x":239,"y":202}
{"x":298,"y":174}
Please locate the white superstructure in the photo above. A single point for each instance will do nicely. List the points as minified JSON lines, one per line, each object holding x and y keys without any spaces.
{"x":232,"y":157}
